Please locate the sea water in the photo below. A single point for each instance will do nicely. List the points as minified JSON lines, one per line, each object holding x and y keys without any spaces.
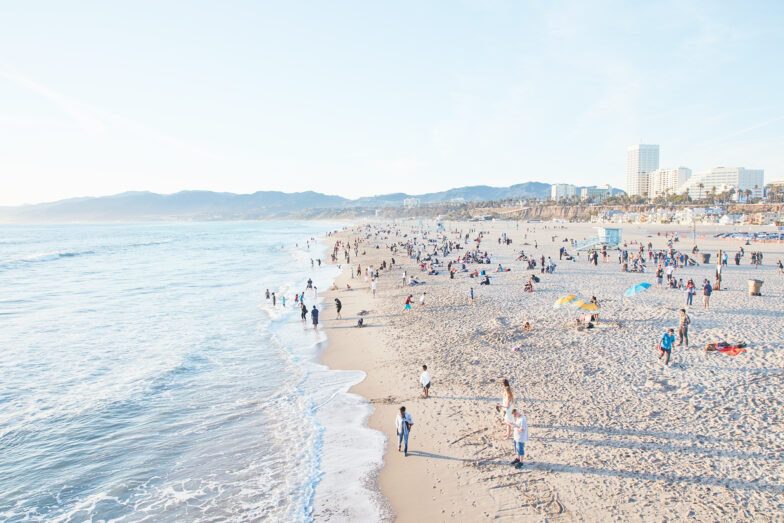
{"x":144,"y":376}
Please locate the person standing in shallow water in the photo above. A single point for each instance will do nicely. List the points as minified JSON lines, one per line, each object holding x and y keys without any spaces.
{"x":314,"y":314}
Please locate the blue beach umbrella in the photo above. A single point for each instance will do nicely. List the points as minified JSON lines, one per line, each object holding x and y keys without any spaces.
{"x":637,"y":289}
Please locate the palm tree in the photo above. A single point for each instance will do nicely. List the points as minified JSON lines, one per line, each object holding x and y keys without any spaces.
{"x":701,"y":186}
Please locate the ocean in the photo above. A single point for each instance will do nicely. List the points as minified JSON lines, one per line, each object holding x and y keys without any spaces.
{"x":145,"y":377}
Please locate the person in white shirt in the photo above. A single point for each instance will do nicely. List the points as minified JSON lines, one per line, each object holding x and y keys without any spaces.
{"x":403,"y":424}
{"x":424,"y":379}
{"x":520,"y":426}
{"x":422,"y":300}
{"x":373,"y":287}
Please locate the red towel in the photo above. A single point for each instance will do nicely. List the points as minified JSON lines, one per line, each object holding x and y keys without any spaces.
{"x":732,"y":351}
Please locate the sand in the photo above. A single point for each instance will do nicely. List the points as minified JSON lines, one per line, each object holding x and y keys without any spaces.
{"x":614,"y":434}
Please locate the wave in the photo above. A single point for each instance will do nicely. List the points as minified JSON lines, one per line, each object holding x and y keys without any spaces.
{"x":41,"y":257}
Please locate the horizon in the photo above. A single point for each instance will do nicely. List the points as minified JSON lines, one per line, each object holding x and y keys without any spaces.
{"x":351,"y":99}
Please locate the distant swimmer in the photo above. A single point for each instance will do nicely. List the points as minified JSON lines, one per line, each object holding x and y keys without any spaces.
{"x":310,"y":283}
{"x":267,"y":294}
{"x":303,"y":309}
{"x":273,"y":299}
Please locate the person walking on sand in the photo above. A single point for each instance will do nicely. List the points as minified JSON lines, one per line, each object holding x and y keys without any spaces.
{"x":665,"y":345}
{"x":506,"y":406}
{"x":422,"y":301}
{"x":338,"y":306}
{"x":706,"y":292}
{"x":472,"y":295}
{"x":424,"y":380}
{"x":403,"y":424}
{"x":520,"y":427}
{"x":407,"y":306}
{"x":683,"y":329}
{"x":314,"y":314}
{"x":373,"y":287}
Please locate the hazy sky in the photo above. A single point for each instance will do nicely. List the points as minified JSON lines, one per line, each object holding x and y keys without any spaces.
{"x":362,"y":98}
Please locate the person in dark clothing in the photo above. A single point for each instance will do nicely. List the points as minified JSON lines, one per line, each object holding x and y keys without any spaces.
{"x":314,"y":314}
{"x":338,"y":306}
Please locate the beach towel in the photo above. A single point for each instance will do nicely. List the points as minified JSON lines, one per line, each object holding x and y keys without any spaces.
{"x":725,"y":348}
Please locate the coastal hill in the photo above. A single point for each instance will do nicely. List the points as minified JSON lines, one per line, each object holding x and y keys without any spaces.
{"x":208,"y":205}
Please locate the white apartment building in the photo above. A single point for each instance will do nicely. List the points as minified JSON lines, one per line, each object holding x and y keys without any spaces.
{"x":641,"y":160}
{"x":722,"y":178}
{"x":562,"y":191}
{"x":410,"y":203}
{"x":662,"y":182}
{"x":597,"y":192}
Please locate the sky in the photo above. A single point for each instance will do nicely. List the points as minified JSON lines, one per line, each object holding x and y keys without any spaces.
{"x":364,"y":98}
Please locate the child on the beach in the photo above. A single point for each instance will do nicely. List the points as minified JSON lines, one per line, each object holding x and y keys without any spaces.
{"x":424,"y":380}
{"x":665,"y":345}
{"x":520,"y":427}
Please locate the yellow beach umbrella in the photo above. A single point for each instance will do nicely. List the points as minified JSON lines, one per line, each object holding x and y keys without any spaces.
{"x":586,"y":306}
{"x":565,"y":300}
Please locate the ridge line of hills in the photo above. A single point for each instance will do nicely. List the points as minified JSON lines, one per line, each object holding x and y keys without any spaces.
{"x":209,"y":205}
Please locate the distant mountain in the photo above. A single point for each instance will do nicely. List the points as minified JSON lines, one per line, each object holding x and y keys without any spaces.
{"x":208,"y":205}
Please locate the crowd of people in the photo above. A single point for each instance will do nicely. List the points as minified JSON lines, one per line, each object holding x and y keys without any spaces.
{"x":465,"y":254}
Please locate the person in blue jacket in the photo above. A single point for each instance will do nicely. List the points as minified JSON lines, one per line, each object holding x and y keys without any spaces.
{"x":665,"y":345}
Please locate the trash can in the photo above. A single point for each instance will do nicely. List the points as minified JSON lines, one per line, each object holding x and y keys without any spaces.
{"x":754,"y":287}
{"x":705,"y":257}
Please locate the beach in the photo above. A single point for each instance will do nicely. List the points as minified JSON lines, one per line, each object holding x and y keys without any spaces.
{"x":614,"y":433}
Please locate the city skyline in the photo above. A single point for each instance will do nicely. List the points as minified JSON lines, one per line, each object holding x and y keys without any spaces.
{"x":356,"y":100}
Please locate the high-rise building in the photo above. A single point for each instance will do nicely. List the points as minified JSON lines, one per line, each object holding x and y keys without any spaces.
{"x":724,"y":179}
{"x":662,"y":182}
{"x":641,"y":160}
{"x":562,"y":191}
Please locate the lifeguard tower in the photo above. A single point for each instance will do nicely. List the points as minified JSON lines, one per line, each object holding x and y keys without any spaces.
{"x":611,"y":237}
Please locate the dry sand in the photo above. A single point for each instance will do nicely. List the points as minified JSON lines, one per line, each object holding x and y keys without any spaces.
{"x":614,"y":434}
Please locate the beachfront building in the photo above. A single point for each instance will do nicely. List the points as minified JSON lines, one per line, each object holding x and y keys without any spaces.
{"x":562,"y":191}
{"x":410,"y":203}
{"x":641,"y":160}
{"x":596,"y":192}
{"x":721,"y":179}
{"x":663,"y":182}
